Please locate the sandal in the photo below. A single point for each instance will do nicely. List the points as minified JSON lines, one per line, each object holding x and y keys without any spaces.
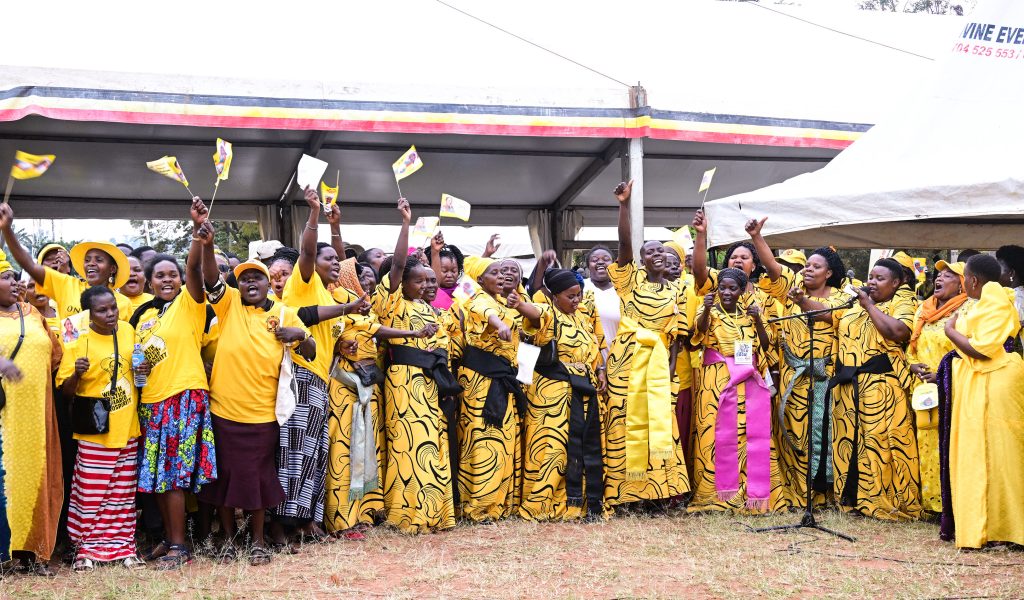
{"x":41,"y":569}
{"x":157,"y":551}
{"x":283,"y":548}
{"x":133,"y":562}
{"x":227,"y":553}
{"x":258,"y":556}
{"x":81,"y":565}
{"x":177,"y":556}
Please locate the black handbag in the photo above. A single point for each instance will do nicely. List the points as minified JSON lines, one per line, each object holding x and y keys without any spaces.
{"x":369,"y":374}
{"x":21,"y":338}
{"x":89,"y":415}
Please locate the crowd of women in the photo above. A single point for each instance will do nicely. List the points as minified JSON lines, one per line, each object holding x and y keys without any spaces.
{"x":316,"y":393}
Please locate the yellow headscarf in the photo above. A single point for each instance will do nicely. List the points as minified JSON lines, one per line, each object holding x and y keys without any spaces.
{"x":475,"y":266}
{"x":678,"y":249}
{"x":5,"y":265}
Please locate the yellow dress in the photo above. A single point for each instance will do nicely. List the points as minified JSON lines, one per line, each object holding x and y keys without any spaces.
{"x":987,"y":435}
{"x":931,"y":346}
{"x":879,"y":435}
{"x":655,"y":307}
{"x":340,"y":512}
{"x":33,"y":482}
{"x":487,"y":454}
{"x":418,"y":482}
{"x":790,"y":439}
{"x":723,"y":331}
{"x":546,"y":422}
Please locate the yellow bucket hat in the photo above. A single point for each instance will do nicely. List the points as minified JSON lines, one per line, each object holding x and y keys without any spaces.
{"x":78,"y":252}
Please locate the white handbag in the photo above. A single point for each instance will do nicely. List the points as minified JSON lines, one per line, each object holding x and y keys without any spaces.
{"x":286,"y":388}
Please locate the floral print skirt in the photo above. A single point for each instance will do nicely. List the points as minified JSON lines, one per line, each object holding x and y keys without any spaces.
{"x":177,"y":451}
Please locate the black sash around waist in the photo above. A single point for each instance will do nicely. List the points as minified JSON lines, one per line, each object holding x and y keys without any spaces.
{"x":434,"y":365}
{"x":876,"y":365}
{"x":503,"y":382}
{"x":583,"y":449}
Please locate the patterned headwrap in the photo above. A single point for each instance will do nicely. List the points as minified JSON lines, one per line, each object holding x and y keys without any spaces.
{"x":348,"y":278}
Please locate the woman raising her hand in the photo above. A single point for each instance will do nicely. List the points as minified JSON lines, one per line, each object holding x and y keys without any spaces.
{"x":642,"y":463}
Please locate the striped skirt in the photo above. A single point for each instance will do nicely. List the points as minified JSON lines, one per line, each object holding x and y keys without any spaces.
{"x":303,"y":450}
{"x":101,"y":514}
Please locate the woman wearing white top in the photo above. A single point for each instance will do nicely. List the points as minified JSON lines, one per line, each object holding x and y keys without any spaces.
{"x":606,"y":299}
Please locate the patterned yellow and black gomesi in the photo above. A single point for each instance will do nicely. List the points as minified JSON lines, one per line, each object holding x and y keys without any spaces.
{"x":723,"y":331}
{"x":418,"y":483}
{"x":341,"y":513}
{"x":790,"y":440}
{"x":888,"y":486}
{"x":656,"y":307}
{"x":488,"y":455}
{"x":546,"y":423}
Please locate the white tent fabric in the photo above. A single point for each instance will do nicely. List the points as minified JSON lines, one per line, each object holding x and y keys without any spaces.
{"x":946,"y":171}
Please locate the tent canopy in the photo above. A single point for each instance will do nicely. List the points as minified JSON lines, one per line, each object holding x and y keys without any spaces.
{"x":945,"y":171}
{"x":500,"y":123}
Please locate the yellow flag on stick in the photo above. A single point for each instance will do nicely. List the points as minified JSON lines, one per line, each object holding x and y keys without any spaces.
{"x":27,"y":166}
{"x":222,"y":159}
{"x":454,"y":207}
{"x":423,"y":230}
{"x":328,"y":194}
{"x":705,"y":183}
{"x":168,"y":167}
{"x":408,"y":164}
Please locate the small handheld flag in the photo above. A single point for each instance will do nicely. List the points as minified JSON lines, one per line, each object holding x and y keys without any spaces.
{"x":405,"y":166}
{"x":222,"y":159}
{"x":27,"y":166}
{"x":454,"y":207}
{"x":408,"y":164}
{"x":328,"y":194}
{"x":168,"y":167}
{"x":423,"y":230}
{"x":705,"y":183}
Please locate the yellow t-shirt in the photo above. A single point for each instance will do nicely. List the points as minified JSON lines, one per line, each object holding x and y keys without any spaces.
{"x":66,"y":292}
{"x":172,"y":342}
{"x":298,"y":294}
{"x":95,"y":382}
{"x":137,"y":301}
{"x":248,"y":362}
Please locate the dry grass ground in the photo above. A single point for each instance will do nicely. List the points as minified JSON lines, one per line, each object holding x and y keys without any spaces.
{"x":713,"y":556}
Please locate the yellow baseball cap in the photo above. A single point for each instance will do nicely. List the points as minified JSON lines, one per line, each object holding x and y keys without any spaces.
{"x":48,"y":249}
{"x":251,"y":265}
{"x":956,"y":267}
{"x":792,"y":255}
{"x":904,"y":259}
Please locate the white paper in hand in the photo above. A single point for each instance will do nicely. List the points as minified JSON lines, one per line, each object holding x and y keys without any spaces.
{"x":310,"y":172}
{"x":528,"y":355}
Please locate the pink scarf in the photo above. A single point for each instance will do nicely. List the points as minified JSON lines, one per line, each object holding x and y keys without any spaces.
{"x":444,"y":300}
{"x":758,"y":408}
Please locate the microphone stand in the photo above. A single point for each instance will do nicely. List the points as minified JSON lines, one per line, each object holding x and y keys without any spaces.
{"x":807,"y":520}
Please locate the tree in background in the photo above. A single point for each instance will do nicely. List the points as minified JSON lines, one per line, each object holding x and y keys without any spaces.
{"x":935,"y":7}
{"x":174,"y":237}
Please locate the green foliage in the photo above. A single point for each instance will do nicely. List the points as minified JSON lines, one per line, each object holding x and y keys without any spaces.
{"x":174,"y":237}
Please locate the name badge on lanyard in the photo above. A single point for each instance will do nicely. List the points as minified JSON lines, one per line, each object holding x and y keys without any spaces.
{"x":743,"y":353}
